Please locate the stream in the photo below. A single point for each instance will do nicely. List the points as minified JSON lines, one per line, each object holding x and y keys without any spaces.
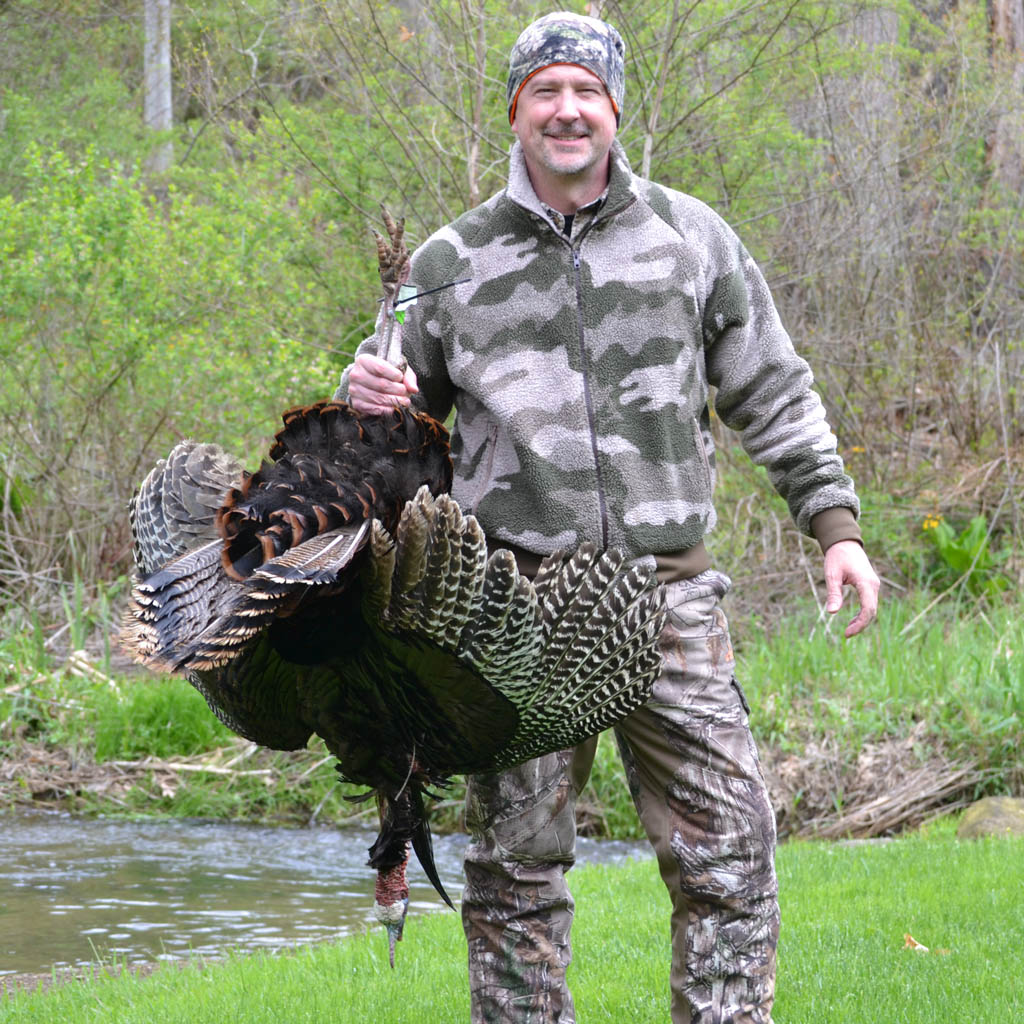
{"x":77,"y":890}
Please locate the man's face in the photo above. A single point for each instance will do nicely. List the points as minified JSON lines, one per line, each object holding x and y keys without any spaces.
{"x":564,"y":120}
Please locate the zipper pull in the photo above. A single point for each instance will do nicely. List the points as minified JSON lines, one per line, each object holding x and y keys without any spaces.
{"x":576,"y":259}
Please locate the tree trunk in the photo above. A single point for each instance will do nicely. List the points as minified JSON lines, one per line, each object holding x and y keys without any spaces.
{"x":479,"y":99}
{"x":157,"y":104}
{"x":1006,"y":147}
{"x":871,"y":141}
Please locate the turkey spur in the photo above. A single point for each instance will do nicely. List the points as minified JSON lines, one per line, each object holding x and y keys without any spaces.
{"x":339,"y":591}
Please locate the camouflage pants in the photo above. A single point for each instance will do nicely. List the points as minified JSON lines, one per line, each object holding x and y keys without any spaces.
{"x":697,"y":785}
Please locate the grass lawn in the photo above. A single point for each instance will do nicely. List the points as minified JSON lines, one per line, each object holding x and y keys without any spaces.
{"x":845,"y":910}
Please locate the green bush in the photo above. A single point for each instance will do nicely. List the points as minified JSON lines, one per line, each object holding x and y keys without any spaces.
{"x":127,"y":323}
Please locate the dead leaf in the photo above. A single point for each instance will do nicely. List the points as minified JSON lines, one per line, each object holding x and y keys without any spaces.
{"x":909,"y":942}
{"x":404,"y":35}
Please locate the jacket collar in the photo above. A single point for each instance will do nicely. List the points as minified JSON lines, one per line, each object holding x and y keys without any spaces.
{"x":620,"y":193}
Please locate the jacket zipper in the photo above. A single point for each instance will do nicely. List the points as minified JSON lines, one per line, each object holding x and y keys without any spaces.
{"x":702,"y":449}
{"x":492,"y":444}
{"x":588,"y":398}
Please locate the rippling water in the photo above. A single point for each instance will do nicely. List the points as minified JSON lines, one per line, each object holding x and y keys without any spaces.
{"x":73,"y":890}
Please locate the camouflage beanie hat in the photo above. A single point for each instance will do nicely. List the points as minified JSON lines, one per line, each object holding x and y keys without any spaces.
{"x":566,"y":38}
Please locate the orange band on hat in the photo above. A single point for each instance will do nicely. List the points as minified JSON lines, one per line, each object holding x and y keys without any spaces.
{"x":553,"y":64}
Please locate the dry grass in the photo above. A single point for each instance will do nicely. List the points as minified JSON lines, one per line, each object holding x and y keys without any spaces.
{"x":893,"y":785}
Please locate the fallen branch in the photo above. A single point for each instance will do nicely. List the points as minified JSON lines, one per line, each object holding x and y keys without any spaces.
{"x":78,"y":664}
{"x":905,"y":804}
{"x":213,"y":769}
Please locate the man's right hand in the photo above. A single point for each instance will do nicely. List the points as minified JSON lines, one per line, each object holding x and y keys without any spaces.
{"x":376,"y":386}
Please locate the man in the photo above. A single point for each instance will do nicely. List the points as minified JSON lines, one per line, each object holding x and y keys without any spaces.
{"x":598,"y":310}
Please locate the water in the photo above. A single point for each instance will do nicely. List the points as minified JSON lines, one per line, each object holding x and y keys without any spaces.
{"x":74,"y":890}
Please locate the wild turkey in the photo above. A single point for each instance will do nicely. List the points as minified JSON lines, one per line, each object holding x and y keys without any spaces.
{"x":339,"y":591}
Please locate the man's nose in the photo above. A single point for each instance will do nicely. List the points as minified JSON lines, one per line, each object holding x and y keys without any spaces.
{"x":568,"y":107}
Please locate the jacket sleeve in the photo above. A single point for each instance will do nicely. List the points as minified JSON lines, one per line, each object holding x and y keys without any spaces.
{"x":764,"y":391}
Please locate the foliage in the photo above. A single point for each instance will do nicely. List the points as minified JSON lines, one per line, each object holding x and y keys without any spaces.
{"x":968,"y":555}
{"x":846,"y":910}
{"x":128,"y":323}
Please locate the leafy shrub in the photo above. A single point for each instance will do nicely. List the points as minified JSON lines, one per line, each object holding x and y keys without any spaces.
{"x":967,"y":555}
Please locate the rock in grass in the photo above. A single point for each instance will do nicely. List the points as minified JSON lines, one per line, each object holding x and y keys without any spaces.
{"x":993,"y":816}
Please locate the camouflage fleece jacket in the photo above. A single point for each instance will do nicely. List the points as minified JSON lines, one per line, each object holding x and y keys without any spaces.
{"x":579,"y":368}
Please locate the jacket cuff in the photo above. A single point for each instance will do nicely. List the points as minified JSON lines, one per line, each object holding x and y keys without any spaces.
{"x":833,"y":525}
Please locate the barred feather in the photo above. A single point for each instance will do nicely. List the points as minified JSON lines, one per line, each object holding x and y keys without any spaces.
{"x":501,"y":579}
{"x":460,"y":598}
{"x":442,"y":566}
{"x":440,"y":587}
{"x":377,"y":575}
{"x":411,"y":558}
{"x":179,"y":600}
{"x":620,"y":627}
{"x":175,"y":507}
{"x":550,"y":568}
{"x":509,"y":651}
{"x":317,"y":561}
{"x":580,"y":587}
{"x":447,"y":553}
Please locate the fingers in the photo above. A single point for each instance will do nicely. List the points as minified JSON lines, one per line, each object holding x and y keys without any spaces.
{"x":860,"y":623}
{"x":376,"y":386}
{"x":867,"y":592}
{"x":846,"y":563}
{"x":833,"y":590}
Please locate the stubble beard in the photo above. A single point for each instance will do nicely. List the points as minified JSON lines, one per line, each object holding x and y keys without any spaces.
{"x":567,"y":164}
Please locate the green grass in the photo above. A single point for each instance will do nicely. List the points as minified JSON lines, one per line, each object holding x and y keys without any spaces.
{"x":153,"y":719}
{"x":845,"y":912}
{"x":958,"y":668}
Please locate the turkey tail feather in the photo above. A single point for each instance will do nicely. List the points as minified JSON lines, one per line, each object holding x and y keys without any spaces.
{"x":318,"y":561}
{"x":176,"y":504}
{"x":423,"y":845}
{"x":176,"y":601}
